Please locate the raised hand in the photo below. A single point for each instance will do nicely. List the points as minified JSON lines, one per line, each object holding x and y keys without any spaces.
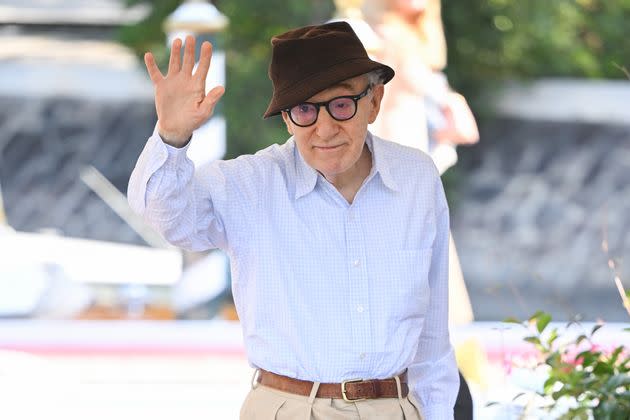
{"x":180,"y":98}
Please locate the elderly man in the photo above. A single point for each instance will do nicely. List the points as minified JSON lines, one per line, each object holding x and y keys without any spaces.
{"x":338,"y":240}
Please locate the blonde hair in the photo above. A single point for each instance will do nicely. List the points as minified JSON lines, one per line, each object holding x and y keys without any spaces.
{"x":428,"y":27}
{"x":348,"y":4}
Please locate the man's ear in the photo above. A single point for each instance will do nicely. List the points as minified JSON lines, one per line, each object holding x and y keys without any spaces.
{"x":287,"y":122}
{"x":375,"y":99}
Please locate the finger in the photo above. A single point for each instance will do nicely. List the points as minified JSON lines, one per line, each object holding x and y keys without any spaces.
{"x":189,"y":55}
{"x":154,"y":72}
{"x":211,"y":99}
{"x":204,"y":61}
{"x":174,"y":63}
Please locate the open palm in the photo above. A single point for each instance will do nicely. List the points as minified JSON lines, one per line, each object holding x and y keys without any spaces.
{"x":180,"y":99}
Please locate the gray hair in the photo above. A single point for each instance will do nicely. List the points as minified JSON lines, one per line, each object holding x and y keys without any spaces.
{"x":375,"y":77}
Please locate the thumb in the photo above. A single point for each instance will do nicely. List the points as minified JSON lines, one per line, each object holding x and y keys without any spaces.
{"x":211,"y":99}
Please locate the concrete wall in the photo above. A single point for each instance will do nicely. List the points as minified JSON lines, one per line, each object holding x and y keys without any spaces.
{"x":44,"y":145}
{"x":538,"y":195}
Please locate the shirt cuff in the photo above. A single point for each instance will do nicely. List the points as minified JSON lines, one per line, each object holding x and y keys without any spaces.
{"x":156,"y":154}
{"x":176,"y":156}
{"x":438,"y":412}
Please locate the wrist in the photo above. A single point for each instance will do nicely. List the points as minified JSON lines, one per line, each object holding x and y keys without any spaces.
{"x":173,"y":138}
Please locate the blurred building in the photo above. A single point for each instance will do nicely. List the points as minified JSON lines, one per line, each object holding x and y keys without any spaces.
{"x":546,"y":186}
{"x":76,"y":108}
{"x":70,"y":98}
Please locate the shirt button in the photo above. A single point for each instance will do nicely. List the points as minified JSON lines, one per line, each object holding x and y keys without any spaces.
{"x":359,"y":308}
{"x":362,"y":356}
{"x":356,"y":263}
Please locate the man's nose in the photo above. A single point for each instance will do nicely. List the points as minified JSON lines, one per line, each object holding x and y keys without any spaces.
{"x":326,"y":126}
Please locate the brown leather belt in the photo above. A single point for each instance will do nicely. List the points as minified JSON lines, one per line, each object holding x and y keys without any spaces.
{"x":352,"y":390}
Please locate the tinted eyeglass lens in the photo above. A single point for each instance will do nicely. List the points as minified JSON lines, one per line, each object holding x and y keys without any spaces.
{"x":342,"y":108}
{"x":304,"y":114}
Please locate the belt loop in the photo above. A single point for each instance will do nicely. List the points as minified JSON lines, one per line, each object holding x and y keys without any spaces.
{"x":311,"y":399}
{"x":398,"y":388}
{"x":255,"y":377}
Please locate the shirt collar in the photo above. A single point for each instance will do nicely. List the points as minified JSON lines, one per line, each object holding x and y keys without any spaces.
{"x":306,"y":176}
{"x":381,"y":161}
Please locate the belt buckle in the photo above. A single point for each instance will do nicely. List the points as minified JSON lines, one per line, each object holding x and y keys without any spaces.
{"x":343,"y":390}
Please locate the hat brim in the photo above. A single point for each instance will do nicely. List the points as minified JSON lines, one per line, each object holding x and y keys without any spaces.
{"x":314,"y":83}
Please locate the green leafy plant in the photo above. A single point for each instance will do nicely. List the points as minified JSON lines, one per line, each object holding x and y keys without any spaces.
{"x":596,"y":380}
{"x":497,"y":40}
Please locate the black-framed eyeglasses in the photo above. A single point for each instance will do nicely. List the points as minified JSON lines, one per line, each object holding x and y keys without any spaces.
{"x":341,"y":108}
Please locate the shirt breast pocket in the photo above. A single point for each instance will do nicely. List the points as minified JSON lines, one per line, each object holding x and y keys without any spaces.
{"x":403,"y":277}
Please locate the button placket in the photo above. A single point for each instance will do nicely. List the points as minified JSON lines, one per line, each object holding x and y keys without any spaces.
{"x":358,"y":284}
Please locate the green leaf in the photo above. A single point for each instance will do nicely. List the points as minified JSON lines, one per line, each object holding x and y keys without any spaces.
{"x":573,"y":321}
{"x":552,"y":337}
{"x":533,"y":339}
{"x":587,"y":357}
{"x":549,"y":383}
{"x":512,"y":320}
{"x":616,"y":381}
{"x":615,"y":354}
{"x":586,"y":383}
{"x":543,"y":320}
{"x":535,"y":316}
{"x":602,"y":368}
{"x":561,"y":393}
{"x":520,"y":394}
{"x":579,"y":413}
{"x":620,"y":413}
{"x":604,"y":410}
{"x":596,"y":328}
{"x":553,"y":359}
{"x":580,"y":339}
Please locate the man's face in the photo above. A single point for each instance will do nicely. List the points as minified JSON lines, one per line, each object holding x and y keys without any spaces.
{"x":334,"y":147}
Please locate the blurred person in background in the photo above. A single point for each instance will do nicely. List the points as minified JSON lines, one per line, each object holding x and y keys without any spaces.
{"x":420,"y":110}
{"x":338,"y":239}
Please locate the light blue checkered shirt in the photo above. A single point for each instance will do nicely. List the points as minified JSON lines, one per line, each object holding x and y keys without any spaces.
{"x":326,"y":291}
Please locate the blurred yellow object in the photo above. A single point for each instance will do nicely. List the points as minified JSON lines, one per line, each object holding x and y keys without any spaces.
{"x":460,"y":310}
{"x":151,"y":312}
{"x":473,"y":362}
{"x":344,"y":5}
{"x":228,"y":312}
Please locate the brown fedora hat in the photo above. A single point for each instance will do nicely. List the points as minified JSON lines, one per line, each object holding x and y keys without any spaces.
{"x":307,"y":60}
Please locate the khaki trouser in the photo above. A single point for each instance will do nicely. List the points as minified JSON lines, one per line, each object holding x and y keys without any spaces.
{"x":264,"y":403}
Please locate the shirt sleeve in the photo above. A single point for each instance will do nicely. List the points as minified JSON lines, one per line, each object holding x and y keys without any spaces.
{"x":182,"y":204}
{"x":433,"y":374}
